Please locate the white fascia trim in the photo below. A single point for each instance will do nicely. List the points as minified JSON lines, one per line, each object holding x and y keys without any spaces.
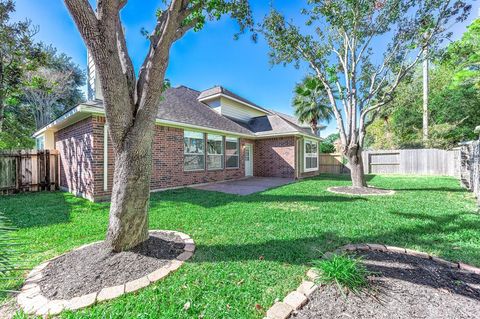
{"x":92,"y":110}
{"x":79,"y":109}
{"x":259,"y":136}
{"x":211,"y":97}
{"x":58,"y":121}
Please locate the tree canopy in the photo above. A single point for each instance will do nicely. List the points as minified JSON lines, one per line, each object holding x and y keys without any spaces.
{"x":362,"y":50}
{"x":16,"y":47}
{"x":24,"y":65}
{"x":454,"y":101}
{"x":311,"y":103}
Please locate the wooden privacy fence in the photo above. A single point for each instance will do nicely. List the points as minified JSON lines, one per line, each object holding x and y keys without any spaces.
{"x":408,"y":162}
{"x":333,"y":164}
{"x":28,"y":170}
{"x":414,"y":161}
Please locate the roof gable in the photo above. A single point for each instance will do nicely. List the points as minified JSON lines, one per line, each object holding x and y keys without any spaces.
{"x":181,"y":107}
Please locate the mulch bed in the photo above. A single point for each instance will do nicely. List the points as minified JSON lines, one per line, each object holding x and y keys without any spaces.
{"x":87,"y":270}
{"x":403,"y":286}
{"x":349,"y":190}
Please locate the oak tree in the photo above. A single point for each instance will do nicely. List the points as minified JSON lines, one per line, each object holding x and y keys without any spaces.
{"x":131,"y":100}
{"x":361,"y":50}
{"x":15,"y":48}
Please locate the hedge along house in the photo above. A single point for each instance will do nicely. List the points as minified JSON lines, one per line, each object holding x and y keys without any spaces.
{"x":201,"y":137}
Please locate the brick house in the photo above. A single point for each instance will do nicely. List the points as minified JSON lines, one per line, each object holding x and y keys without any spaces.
{"x":201,"y":137}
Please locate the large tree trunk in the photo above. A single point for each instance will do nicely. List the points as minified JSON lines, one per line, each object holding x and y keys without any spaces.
{"x":354,"y":156}
{"x":131,"y":103}
{"x":128,"y":225}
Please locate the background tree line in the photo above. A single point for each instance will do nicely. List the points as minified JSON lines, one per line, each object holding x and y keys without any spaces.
{"x":37,"y":83}
{"x":454,"y":101}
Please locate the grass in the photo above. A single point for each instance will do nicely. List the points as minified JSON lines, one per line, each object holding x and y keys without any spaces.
{"x":253,"y":249}
{"x":347,"y":272}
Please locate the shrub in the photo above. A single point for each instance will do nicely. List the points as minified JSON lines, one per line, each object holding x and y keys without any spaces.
{"x":345,"y":271}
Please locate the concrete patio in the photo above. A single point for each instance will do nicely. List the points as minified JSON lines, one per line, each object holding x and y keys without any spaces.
{"x":246,"y":186}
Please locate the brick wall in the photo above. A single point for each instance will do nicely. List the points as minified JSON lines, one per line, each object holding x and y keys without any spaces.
{"x":81,"y":149}
{"x":75,"y":144}
{"x":98,"y":124}
{"x":167,"y":162}
{"x":274,"y":157}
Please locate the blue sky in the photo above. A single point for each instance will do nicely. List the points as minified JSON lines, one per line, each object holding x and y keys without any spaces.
{"x":199,"y":60}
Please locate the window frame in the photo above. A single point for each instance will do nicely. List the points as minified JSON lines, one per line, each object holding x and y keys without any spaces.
{"x":222,"y":154}
{"x":40,"y":142}
{"x":237,"y":141}
{"x":309,"y":155}
{"x":194,"y":154}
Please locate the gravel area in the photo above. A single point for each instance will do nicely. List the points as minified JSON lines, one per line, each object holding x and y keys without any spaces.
{"x":94,"y":267}
{"x":349,"y":190}
{"x":403,"y":286}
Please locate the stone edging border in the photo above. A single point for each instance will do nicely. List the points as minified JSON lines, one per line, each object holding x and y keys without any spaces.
{"x":33,"y":302}
{"x":295,"y":300}
{"x":388,"y":193}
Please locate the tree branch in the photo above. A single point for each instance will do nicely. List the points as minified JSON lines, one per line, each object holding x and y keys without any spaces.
{"x":84,"y":17}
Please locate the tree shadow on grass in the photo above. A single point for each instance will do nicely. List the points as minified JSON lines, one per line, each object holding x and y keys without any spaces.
{"x":432,"y":236}
{"x":431,"y":189}
{"x":210,"y":199}
{"x":39,"y":209}
{"x":340,"y":177}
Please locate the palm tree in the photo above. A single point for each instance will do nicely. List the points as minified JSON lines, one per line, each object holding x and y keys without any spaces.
{"x":311,"y":103}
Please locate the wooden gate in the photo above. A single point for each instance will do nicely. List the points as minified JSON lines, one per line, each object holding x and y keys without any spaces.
{"x":333,"y":163}
{"x":28,"y":171}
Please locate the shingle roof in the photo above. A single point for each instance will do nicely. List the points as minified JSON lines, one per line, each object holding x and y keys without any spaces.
{"x":221,"y":90}
{"x":181,"y":105}
{"x":274,"y":124}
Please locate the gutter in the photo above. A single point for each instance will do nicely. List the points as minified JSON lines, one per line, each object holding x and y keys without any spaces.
{"x":82,"y":108}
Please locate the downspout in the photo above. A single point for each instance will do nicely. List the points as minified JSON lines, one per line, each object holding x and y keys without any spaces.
{"x":297,"y":158}
{"x":105,"y":157}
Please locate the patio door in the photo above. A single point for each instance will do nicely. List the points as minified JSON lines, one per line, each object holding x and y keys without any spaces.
{"x":248,"y":159}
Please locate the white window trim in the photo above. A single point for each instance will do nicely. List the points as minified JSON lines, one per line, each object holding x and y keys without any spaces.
{"x":312,"y":169}
{"x":195,"y":154}
{"x":40,"y":142}
{"x":237,"y":140}
{"x":222,"y":155}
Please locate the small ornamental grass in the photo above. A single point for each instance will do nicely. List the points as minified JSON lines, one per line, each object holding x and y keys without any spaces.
{"x":345,"y":271}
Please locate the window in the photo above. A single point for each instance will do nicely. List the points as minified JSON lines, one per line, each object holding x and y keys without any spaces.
{"x":311,"y":155}
{"x":232,"y":152}
{"x":193,"y":151}
{"x":214,"y":152}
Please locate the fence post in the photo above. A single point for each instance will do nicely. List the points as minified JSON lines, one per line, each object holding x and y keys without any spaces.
{"x":47,"y":170}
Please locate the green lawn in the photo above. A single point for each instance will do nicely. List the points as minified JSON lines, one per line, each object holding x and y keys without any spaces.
{"x":254,"y":249}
